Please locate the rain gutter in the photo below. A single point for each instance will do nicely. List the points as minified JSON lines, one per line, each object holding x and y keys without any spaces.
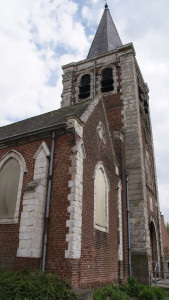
{"x":48,"y":201}
{"x":128,"y":223}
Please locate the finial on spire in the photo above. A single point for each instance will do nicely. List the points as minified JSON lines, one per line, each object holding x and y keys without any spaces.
{"x":106,"y":6}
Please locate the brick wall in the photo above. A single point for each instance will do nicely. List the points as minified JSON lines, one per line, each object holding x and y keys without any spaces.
{"x":57,"y":244}
{"x":9,"y":233}
{"x":99,"y":257}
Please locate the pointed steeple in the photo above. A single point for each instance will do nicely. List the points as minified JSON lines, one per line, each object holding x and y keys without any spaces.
{"x":106,"y":37}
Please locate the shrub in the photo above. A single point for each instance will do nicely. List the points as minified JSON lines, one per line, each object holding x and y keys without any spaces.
{"x":152,"y":293}
{"x":131,"y":288}
{"x":109,"y":289}
{"x":112,"y":291}
{"x":159,"y":293}
{"x":118,"y":295}
{"x":147,"y":294}
{"x":26,"y":285}
{"x":99,"y":295}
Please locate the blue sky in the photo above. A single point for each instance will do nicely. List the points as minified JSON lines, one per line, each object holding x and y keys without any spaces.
{"x":37,"y":37}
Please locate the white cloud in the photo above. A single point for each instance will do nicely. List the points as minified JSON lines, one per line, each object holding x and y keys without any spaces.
{"x":33,"y":36}
{"x":92,"y":12}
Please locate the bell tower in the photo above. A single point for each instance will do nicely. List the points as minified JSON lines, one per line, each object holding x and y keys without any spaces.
{"x":112,"y":74}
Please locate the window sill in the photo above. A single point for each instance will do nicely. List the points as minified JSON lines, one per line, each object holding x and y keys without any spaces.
{"x":101,"y":228}
{"x":9,"y":221}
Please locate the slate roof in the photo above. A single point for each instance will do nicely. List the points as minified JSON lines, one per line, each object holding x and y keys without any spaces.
{"x":42,"y":122}
{"x":106,"y":37}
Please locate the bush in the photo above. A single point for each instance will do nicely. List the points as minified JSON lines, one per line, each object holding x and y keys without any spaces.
{"x":99,"y":295}
{"x":159,"y":293}
{"x":118,"y":295}
{"x":131,"y":288}
{"x":112,"y":291}
{"x":147,"y":294}
{"x":26,"y":285}
{"x":152,"y":293}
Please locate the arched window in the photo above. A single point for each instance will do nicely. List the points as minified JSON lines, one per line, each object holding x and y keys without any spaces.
{"x":107,"y":80}
{"x":12,"y":168}
{"x":101,"y":198}
{"x":148,"y":168}
{"x":9,"y":181}
{"x":154,"y":246}
{"x":84,"y":90}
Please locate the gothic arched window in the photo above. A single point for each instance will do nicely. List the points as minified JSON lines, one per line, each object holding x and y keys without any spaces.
{"x":12,"y":168}
{"x":101,"y":198}
{"x":84,"y":89}
{"x":107,"y":80}
{"x":9,"y":181}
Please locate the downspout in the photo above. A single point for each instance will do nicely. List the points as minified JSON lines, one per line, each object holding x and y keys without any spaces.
{"x":128,"y":223}
{"x":48,"y":202}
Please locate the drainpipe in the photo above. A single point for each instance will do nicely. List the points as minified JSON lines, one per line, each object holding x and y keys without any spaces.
{"x":128,"y":223}
{"x":48,"y":202}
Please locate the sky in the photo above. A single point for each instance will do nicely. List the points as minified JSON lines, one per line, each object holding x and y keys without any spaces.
{"x":37,"y":37}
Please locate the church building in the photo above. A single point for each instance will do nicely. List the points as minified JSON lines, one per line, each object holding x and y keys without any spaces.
{"x":78,"y":190}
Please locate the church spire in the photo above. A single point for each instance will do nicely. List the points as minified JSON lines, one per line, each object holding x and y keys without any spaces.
{"x":106,"y":37}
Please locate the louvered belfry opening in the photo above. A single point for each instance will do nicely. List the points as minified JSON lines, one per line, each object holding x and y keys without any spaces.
{"x":84,"y":90}
{"x":107,"y":80}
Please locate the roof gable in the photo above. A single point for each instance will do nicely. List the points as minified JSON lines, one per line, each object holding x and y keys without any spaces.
{"x":43,"y":122}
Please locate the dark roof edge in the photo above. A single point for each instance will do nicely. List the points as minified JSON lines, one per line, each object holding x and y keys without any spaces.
{"x":120,"y":48}
{"x":34,"y":132}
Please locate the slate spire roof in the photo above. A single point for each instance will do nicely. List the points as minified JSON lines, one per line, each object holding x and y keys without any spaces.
{"x":106,"y":37}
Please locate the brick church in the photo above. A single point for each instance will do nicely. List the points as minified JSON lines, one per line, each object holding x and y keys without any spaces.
{"x":78,"y":191}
